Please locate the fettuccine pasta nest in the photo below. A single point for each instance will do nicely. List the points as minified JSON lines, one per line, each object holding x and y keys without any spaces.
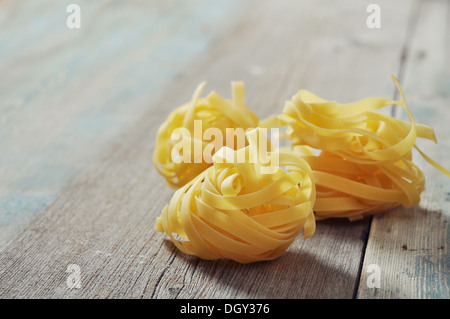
{"x":365,"y":163}
{"x":210,"y":112}
{"x":233,"y":210}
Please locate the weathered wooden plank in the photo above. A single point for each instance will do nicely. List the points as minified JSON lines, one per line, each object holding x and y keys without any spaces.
{"x":103,"y":220}
{"x":411,"y":245}
{"x":65,"y":93}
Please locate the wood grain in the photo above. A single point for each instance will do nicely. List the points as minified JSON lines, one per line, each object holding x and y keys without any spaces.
{"x":411,"y":245}
{"x":101,"y":217}
{"x":66,"y":93}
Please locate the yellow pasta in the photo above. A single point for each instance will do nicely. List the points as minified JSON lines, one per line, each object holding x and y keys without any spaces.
{"x":365,"y":165}
{"x":346,"y":160}
{"x":211,"y":112}
{"x":232,"y":210}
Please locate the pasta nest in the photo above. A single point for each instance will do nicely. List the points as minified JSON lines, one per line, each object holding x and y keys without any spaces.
{"x":361,"y":159}
{"x":180,"y":165}
{"x":236,"y":210}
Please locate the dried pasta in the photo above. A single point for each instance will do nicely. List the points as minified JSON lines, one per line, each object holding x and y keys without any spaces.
{"x":365,"y":162}
{"x":212,"y":111}
{"x":231,"y":210}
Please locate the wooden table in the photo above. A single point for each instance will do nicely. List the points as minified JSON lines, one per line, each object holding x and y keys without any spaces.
{"x":79,"y":110}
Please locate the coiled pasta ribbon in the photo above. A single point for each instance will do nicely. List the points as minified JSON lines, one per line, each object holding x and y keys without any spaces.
{"x":365,"y":165}
{"x":211,"y":112}
{"x":231,"y":210}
